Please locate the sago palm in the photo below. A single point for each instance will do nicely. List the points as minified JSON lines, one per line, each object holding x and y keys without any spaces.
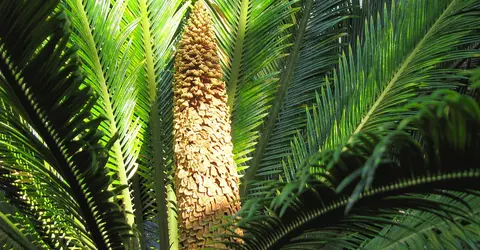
{"x":239,"y":124}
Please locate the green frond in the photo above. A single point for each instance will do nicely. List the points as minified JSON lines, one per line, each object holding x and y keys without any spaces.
{"x":35,"y":186}
{"x":475,"y":78}
{"x":49,"y":129}
{"x":402,"y":55}
{"x":155,"y":41}
{"x":409,"y":216}
{"x":375,"y":180}
{"x":11,"y":237}
{"x":417,"y":229}
{"x":314,"y":53}
{"x":153,"y":45}
{"x":398,"y":60}
{"x":13,"y":234}
{"x":252,"y":39}
{"x":105,"y":49}
{"x":362,"y":10}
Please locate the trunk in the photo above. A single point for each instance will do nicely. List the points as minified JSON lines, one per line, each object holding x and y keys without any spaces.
{"x":206,"y":178}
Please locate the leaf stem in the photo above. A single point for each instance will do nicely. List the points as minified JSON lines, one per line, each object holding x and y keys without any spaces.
{"x":104,"y":92}
{"x":285,"y":82}
{"x":155,"y":131}
{"x":237,"y":55}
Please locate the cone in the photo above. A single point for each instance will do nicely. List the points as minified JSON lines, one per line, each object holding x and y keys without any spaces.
{"x":206,"y":179}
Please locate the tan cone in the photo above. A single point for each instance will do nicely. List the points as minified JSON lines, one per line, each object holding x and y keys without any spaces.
{"x":206,"y":178}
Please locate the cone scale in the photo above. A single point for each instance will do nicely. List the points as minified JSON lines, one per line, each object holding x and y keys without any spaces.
{"x":206,"y":179}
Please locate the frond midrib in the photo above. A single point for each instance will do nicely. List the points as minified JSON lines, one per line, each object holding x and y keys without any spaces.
{"x":237,"y":55}
{"x":404,"y":66}
{"x":147,"y":38}
{"x":104,"y":93}
{"x":285,"y":82}
{"x":155,"y":130}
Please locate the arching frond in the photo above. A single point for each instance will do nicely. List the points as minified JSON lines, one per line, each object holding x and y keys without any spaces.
{"x":13,"y":235}
{"x":398,"y":60}
{"x":252,"y":37}
{"x":153,"y":45}
{"x":29,"y":180}
{"x":105,"y":52}
{"x":417,"y":229}
{"x":402,"y":56}
{"x":378,"y":183}
{"x":315,"y":52}
{"x":49,"y":130}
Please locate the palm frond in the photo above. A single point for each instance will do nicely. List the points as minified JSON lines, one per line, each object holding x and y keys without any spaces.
{"x":417,"y":229}
{"x":475,"y":77}
{"x":315,"y":52}
{"x":402,"y":56}
{"x":107,"y":60}
{"x":252,"y":38}
{"x":153,"y":44}
{"x":43,"y":88}
{"x":354,"y":192}
{"x":13,"y":235}
{"x":362,"y":10}
{"x":399,"y":61}
{"x":31,"y":181}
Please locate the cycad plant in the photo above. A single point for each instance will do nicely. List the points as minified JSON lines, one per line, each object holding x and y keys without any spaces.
{"x":239,"y":124}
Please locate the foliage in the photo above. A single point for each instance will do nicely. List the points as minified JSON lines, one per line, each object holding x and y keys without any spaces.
{"x":53,"y":163}
{"x":345,"y":121}
{"x":383,"y":191}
